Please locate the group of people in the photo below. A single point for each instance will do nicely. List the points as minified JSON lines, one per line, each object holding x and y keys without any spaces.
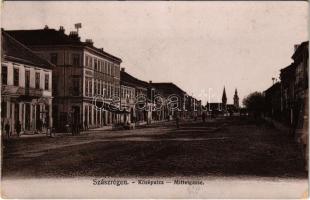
{"x":177,"y":118}
{"x":8,"y":132}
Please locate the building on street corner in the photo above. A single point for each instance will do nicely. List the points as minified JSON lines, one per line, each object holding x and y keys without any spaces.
{"x":26,"y":88}
{"x":81,"y":73}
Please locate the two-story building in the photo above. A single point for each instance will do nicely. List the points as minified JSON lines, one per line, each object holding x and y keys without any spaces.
{"x":140,"y":112}
{"x":82,"y":76}
{"x":26,"y":87}
{"x":128,"y":99}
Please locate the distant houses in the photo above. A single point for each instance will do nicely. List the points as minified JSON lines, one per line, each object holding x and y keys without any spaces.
{"x":223,"y":107}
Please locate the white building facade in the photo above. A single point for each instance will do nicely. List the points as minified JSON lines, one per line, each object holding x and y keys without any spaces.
{"x":26,"y":88}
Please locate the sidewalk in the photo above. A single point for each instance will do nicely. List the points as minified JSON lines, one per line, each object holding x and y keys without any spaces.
{"x":89,"y":131}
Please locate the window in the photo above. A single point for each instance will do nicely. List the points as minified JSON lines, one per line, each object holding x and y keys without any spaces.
{"x":16,"y":77}
{"x":46,"y":82}
{"x":103,"y":88}
{"x":76,"y":87}
{"x":95,"y":87}
{"x":54,"y":58}
{"x":100,"y":90}
{"x":27,"y":79}
{"x":76,"y":59}
{"x":90,"y":62}
{"x":86,"y":86}
{"x":86,"y":61}
{"x":95,"y":64}
{"x":37,"y":80}
{"x":108,"y":90}
{"x":4,"y":75}
{"x":90,"y":87}
{"x":104,"y":67}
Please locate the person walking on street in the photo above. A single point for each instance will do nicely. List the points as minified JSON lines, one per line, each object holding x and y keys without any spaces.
{"x":73,"y":127}
{"x":177,"y":119}
{"x":203,"y":116}
{"x":39,"y":126}
{"x":7,"y":130}
{"x":85,"y":125}
{"x":18,"y":128}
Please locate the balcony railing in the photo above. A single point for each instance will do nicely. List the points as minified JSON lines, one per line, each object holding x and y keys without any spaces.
{"x":20,"y":91}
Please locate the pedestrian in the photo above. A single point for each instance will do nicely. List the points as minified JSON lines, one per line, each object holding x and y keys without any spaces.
{"x":18,"y":128}
{"x":203,"y":116}
{"x":39,"y":127}
{"x":177,"y":120}
{"x":73,"y":127}
{"x":85,"y":125}
{"x":7,"y":130}
{"x":77,"y":124}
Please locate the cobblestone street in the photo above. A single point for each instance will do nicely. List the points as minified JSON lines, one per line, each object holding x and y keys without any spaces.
{"x":230,"y":147}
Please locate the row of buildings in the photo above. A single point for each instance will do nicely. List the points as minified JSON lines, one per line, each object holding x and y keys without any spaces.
{"x":287,"y":100}
{"x":52,"y":79}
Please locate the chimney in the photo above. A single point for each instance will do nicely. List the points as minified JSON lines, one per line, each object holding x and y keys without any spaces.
{"x":123,"y":69}
{"x":45,"y":27}
{"x":150,"y":82}
{"x":61,"y":29}
{"x":295,"y":47}
{"x":89,"y":41}
{"x":101,"y":49}
{"x":74,"y":35}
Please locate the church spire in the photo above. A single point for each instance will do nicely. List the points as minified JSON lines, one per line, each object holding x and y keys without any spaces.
{"x":236,"y":99}
{"x":224,"y":98}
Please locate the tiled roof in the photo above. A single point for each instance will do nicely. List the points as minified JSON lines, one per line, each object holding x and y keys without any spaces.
{"x":49,"y":36}
{"x":15,"y":51}
{"x":168,"y":88}
{"x":129,"y":80}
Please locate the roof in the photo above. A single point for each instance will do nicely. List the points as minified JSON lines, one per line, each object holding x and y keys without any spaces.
{"x":129,"y":80}
{"x":15,"y":51}
{"x":301,"y":48}
{"x":273,"y":88}
{"x":168,"y":87}
{"x":288,"y":71}
{"x":47,"y":37}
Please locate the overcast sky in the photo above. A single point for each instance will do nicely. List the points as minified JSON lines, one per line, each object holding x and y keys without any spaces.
{"x":200,"y":46}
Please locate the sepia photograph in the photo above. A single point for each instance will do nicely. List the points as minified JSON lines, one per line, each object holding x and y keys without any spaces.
{"x":154,"y":99}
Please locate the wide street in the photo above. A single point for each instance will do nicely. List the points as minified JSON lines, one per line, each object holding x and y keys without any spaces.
{"x":222,"y":147}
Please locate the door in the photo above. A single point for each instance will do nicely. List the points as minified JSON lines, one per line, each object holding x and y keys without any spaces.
{"x":27,"y":117}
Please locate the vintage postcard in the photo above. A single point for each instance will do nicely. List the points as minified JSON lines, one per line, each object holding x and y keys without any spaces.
{"x":154,"y":99}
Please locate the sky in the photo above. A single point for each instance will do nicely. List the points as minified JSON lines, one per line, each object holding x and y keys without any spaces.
{"x":199,"y":46}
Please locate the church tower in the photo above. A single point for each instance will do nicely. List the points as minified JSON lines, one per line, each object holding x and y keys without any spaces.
{"x":236,"y":99}
{"x":224,"y":100}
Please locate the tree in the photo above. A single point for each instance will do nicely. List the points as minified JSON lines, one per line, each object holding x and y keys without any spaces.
{"x":255,"y":103}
